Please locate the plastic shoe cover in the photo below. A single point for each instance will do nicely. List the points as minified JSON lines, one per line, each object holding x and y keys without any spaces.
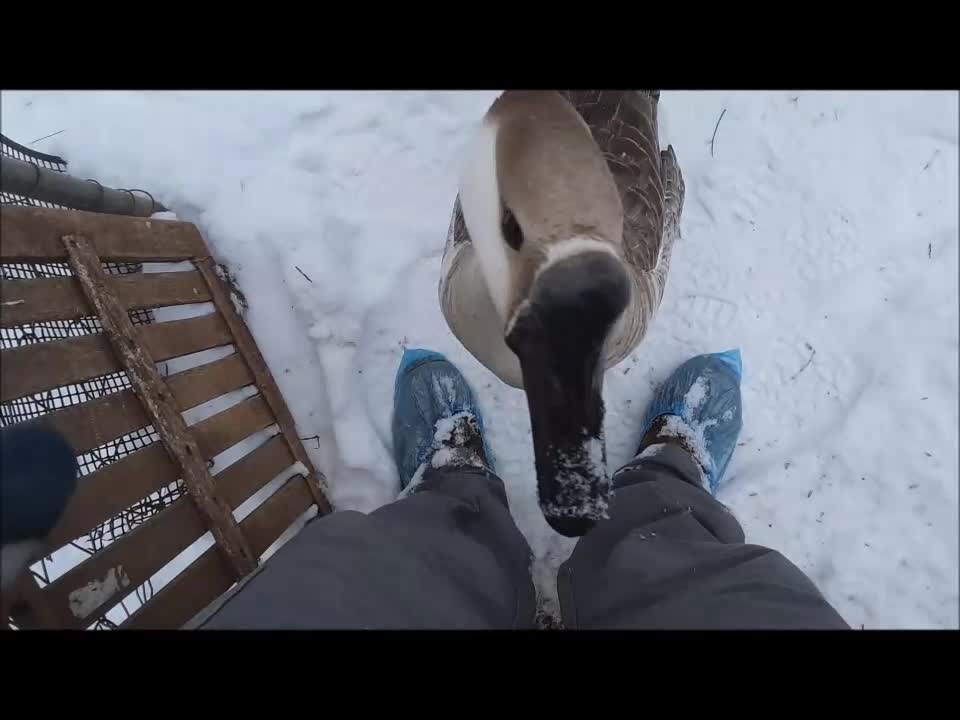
{"x":427,"y":389}
{"x":704,"y":393}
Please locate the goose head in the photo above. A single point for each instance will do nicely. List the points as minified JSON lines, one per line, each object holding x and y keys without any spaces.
{"x":546,"y":221}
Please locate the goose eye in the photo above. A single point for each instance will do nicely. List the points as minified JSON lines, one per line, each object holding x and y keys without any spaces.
{"x":511,"y":229}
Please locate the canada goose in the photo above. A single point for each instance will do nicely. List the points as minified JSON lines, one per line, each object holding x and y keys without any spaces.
{"x":555,"y":264}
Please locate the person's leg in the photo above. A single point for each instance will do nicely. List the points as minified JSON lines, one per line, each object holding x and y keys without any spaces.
{"x":671,"y":555}
{"x":447,"y":554}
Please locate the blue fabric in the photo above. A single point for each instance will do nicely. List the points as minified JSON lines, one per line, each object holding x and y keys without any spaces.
{"x":720,"y":412}
{"x":38,"y":476}
{"x":427,"y":388}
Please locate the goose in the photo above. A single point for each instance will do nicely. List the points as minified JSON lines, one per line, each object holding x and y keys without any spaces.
{"x":554,"y":266}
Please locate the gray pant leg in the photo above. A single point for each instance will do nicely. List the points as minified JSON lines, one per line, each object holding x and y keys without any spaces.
{"x":671,"y":556}
{"x":446,"y":556}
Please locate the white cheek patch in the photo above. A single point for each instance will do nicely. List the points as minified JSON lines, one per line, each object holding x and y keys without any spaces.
{"x":574,"y":246}
{"x":481,"y":205}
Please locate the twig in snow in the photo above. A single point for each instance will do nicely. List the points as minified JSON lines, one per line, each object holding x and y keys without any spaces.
{"x":929,"y":250}
{"x":304,"y":274}
{"x":62,"y":131}
{"x":932,"y":158}
{"x":713,"y":139}
{"x":807,"y":363}
{"x":313,"y":437}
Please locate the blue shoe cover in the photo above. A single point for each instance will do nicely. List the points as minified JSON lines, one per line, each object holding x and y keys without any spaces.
{"x":428,"y":387}
{"x":704,"y":393}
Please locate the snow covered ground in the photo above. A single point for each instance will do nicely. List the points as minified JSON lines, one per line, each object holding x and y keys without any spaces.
{"x":820,"y":237}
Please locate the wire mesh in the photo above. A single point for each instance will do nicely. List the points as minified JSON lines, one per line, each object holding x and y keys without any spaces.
{"x":21,"y":152}
{"x":35,"y":406}
{"x":51,"y":162}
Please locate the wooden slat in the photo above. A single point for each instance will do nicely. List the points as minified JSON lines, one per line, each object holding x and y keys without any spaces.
{"x":158,"y":402}
{"x":112,"y":489}
{"x":94,"y":423}
{"x":46,"y":299}
{"x":167,"y":340}
{"x":42,"y":366}
{"x":238,"y":482}
{"x":229,"y":426}
{"x":205,"y":382}
{"x":277,"y":513}
{"x":34,"y":368}
{"x":204,"y":580}
{"x":247,"y":346}
{"x":33,"y":234}
{"x":98,"y":584}
{"x":136,"y":557}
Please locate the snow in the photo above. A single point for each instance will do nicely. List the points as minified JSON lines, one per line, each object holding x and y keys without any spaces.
{"x":453,"y":428}
{"x":824,"y":222}
{"x":449,"y":438}
{"x":581,"y":494}
{"x":692,"y":435}
{"x":696,"y":394}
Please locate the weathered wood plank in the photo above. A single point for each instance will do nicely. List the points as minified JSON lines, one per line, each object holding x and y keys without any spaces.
{"x":206,"y":579}
{"x":230,"y":426}
{"x":247,"y":346}
{"x":202,"y":582}
{"x":33,"y":234}
{"x":96,"y":422}
{"x":112,"y":489}
{"x":42,"y":366}
{"x":167,"y":340}
{"x":156,"y":398}
{"x":205,"y":382}
{"x":46,"y":299}
{"x":32,"y":369}
{"x":94,"y":587}
{"x":277,"y":513}
{"x":239,"y":481}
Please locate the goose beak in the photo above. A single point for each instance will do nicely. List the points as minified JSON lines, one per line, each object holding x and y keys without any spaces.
{"x":558,"y":335}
